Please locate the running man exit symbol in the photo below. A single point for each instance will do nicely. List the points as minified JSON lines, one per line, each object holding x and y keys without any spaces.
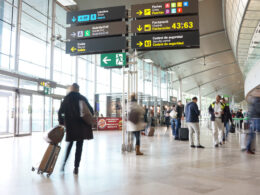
{"x":119,"y":59}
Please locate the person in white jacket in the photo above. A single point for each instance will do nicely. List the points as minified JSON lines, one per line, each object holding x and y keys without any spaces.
{"x":136,"y":121}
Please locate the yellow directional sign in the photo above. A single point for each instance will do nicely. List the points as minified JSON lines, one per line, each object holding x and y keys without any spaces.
{"x":73,"y":49}
{"x":139,"y":13}
{"x":140,"y":44}
{"x":139,"y":28}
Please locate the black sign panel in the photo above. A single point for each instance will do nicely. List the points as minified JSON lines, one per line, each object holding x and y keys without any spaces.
{"x":184,"y":23}
{"x":96,"y":15}
{"x":96,"y":30}
{"x":179,"y":7}
{"x":167,"y":41}
{"x":91,"y":46}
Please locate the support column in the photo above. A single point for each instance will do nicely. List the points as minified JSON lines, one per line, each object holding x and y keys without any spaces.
{"x":167,"y":84}
{"x":77,"y":70}
{"x":95,"y":79}
{"x":152,"y":78}
{"x":18,"y":35}
{"x":1,"y":24}
{"x":110,"y":83}
{"x":52,"y":37}
{"x":200,"y":105}
{"x":180,"y":90}
{"x":143,"y":77}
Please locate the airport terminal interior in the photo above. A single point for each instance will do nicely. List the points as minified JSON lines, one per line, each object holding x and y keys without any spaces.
{"x":151,"y":70}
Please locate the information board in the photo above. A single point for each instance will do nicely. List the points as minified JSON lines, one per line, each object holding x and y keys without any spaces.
{"x":96,"y":15}
{"x":185,"y":23}
{"x":176,"y":7}
{"x":166,"y":41}
{"x":96,"y":30}
{"x":92,"y":46}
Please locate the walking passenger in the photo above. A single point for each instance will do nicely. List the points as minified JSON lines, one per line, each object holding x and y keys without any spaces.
{"x":216,"y":110}
{"x":76,"y":127}
{"x":179,"y":110}
{"x":192,"y":114}
{"x":172,"y":116}
{"x":167,"y":117}
{"x":227,"y":119}
{"x":254,"y":116}
{"x":136,"y":121}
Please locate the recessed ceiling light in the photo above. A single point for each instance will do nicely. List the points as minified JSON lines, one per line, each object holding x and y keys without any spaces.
{"x":148,"y":60}
{"x":67,"y":2}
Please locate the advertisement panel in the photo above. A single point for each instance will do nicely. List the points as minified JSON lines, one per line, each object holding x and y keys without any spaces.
{"x":109,"y":123}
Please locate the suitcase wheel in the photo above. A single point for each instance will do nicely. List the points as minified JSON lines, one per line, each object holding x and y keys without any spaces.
{"x":48,"y":175}
{"x":33,"y":169}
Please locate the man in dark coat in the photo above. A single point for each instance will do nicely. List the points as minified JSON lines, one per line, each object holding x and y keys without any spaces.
{"x":226,"y":118}
{"x":180,"y":111}
{"x":76,"y":129}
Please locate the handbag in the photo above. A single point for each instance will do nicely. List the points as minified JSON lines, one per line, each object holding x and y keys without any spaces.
{"x":85,"y":113}
{"x":55,"y":135}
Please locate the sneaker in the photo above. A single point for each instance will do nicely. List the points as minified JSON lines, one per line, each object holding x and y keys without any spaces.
{"x":192,"y":146}
{"x":76,"y":171}
{"x":200,"y":146}
{"x":220,"y":143}
{"x":250,"y":152}
{"x":216,"y":145}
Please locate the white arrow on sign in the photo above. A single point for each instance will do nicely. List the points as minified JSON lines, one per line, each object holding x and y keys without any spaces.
{"x":73,"y":34}
{"x":106,"y":60}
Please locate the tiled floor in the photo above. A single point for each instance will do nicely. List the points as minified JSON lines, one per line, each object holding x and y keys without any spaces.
{"x":168,"y":167}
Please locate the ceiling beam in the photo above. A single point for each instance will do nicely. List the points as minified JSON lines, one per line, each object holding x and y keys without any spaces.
{"x":226,"y":76}
{"x":224,"y":87}
{"x":197,"y":58}
{"x":191,"y":75}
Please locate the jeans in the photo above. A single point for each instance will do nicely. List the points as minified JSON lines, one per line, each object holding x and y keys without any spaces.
{"x":173,"y":126}
{"x":227,"y":126}
{"x":177,"y":127}
{"x":253,"y":125}
{"x":167,"y":121}
{"x":137,"y":137}
{"x":79,"y":145}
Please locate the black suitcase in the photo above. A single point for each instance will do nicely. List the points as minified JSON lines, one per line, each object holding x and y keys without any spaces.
{"x":184,"y":134}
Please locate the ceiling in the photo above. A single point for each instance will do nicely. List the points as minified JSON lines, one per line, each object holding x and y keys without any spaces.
{"x":212,"y":66}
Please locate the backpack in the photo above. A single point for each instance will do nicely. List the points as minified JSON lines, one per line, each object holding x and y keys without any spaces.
{"x":173,"y":114}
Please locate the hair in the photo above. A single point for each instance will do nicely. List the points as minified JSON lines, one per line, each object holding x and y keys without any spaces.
{"x":194,"y":98}
{"x":133,"y":97}
{"x":219,"y":96}
{"x":75,"y":87}
{"x":179,"y":101}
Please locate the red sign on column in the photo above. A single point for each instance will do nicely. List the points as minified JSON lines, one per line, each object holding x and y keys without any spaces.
{"x":109,"y":123}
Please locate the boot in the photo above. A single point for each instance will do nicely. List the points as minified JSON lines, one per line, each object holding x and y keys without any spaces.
{"x":137,"y":149}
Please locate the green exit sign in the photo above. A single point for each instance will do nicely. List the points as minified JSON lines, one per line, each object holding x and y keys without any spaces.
{"x":113,"y":60}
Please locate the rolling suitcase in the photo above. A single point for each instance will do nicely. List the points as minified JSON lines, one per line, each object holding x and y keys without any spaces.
{"x":151,"y":131}
{"x":49,"y":160}
{"x":244,"y":139}
{"x":184,"y":134}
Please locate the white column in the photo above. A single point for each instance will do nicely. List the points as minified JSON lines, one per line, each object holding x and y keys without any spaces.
{"x":52,"y":37}
{"x":180,"y":90}
{"x":200,"y":105}
{"x":18,"y":34}
{"x":152,"y":78}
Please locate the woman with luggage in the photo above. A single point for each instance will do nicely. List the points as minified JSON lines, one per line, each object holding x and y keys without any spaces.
{"x":77,"y":128}
{"x":135,"y":123}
